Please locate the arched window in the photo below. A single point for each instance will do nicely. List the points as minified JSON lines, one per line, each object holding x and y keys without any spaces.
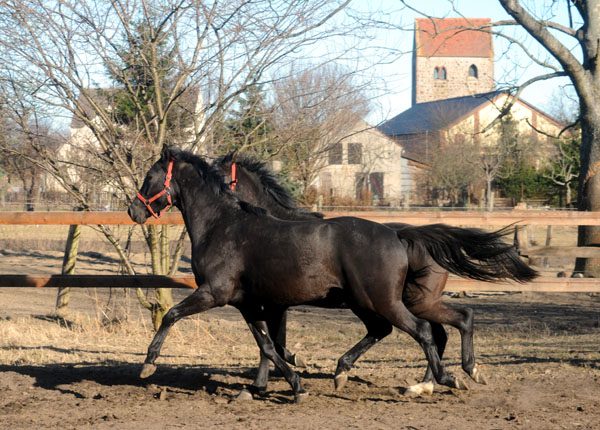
{"x":443,"y":73}
{"x":436,"y":73}
{"x":473,"y":71}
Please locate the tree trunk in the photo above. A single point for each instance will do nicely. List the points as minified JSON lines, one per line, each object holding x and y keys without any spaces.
{"x":589,"y":188}
{"x":68,"y":267}
{"x":159,"y":250}
{"x":488,"y":194}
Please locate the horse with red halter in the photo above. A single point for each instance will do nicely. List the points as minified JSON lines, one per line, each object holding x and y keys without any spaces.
{"x":257,"y":263}
{"x":434,"y":251}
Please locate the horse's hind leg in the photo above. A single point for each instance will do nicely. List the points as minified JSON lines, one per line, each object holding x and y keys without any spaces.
{"x":420,"y":330}
{"x":426,"y":385}
{"x":377,"y":329}
{"x":460,"y":317}
{"x":196,"y":302}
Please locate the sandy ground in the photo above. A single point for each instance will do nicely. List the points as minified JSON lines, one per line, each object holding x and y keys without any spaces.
{"x":541,"y":353}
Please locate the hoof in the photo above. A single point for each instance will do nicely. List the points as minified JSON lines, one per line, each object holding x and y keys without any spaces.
{"x":147,"y":370}
{"x":300,"y":397}
{"x":260,"y":391}
{"x":245,"y":396}
{"x":340,"y":380}
{"x":478,"y":376}
{"x":459,"y":384}
{"x":298,"y":361}
{"x":418,"y":389}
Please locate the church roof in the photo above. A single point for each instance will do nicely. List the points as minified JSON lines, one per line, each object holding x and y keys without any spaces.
{"x":436,"y":115}
{"x":445,"y":37}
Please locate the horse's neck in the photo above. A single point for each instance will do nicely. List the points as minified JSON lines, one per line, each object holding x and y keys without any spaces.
{"x":250,"y":192}
{"x":201,"y":208}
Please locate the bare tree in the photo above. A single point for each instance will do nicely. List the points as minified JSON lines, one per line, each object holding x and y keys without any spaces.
{"x":584,"y":73}
{"x":559,"y":41}
{"x":60,"y":57}
{"x":563,"y":169}
{"x":454,"y":169}
{"x":313,"y":110}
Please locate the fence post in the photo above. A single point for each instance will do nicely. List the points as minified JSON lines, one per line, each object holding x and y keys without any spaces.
{"x":68,"y":267}
{"x":522,"y":231}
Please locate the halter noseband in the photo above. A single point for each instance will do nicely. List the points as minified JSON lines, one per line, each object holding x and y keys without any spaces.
{"x":165,"y":190}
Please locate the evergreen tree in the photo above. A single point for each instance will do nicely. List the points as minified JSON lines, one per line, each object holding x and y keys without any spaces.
{"x":249,"y":127}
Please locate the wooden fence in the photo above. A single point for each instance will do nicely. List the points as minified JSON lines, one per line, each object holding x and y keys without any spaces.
{"x":481,"y":219}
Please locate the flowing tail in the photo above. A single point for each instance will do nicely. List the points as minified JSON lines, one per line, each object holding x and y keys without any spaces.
{"x":468,"y":252}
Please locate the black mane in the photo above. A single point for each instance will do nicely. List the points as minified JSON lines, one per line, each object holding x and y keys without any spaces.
{"x":268,"y":179}
{"x":207,"y":172}
{"x":213,"y":178}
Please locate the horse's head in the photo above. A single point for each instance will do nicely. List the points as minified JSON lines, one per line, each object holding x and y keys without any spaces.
{"x":257,"y":184}
{"x":158,"y":192}
{"x":242,"y":181}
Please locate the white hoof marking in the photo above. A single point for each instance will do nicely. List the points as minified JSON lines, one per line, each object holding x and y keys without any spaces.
{"x":420,"y":388}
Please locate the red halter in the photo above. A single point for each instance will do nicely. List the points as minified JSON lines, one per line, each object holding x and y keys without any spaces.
{"x":234,"y":181}
{"x":165,"y":190}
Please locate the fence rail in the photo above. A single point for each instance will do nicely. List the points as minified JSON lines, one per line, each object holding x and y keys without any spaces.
{"x":572,"y":285}
{"x":517,"y":217}
{"x":459,"y":218}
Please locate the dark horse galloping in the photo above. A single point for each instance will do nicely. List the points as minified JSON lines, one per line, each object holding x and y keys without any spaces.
{"x":434,"y":251}
{"x":255,"y":262}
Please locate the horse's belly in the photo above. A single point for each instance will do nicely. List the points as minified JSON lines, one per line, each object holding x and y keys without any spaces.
{"x":289,"y":289}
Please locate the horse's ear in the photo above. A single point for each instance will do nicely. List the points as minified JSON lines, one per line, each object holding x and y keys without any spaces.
{"x":230,"y":157}
{"x":165,"y":153}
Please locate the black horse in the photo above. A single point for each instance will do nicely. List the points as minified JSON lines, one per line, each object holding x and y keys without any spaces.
{"x":245,"y":258}
{"x":433,"y":250}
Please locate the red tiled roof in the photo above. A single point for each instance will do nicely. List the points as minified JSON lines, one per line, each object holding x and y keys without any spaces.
{"x":438,"y":37}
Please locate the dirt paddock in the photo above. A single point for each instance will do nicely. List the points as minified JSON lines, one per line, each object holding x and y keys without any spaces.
{"x":540,"y":352}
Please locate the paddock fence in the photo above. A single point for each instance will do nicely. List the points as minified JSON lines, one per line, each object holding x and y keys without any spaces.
{"x":454,"y":284}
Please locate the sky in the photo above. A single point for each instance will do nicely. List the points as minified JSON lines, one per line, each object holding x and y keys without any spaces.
{"x":511,"y":64}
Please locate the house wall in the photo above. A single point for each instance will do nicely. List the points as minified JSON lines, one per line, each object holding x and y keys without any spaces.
{"x":523,"y":114}
{"x":379,"y":155}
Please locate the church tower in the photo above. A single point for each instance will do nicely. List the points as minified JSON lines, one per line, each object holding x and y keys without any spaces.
{"x":450,"y":61}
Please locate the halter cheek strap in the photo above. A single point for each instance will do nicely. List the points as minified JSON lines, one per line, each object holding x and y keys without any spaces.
{"x":166,"y":190}
{"x":234,"y":181}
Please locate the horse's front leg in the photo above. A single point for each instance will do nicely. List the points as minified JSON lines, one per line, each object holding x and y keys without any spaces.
{"x":259,"y":330}
{"x":199,"y":301}
{"x":276,"y":323}
{"x":377,"y":329}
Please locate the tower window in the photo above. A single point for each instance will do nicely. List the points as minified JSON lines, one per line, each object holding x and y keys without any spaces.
{"x":473,"y":71}
{"x":439,"y":73}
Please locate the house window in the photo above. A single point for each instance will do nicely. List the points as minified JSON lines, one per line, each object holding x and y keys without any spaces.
{"x":354,"y":153}
{"x":443,"y":73}
{"x":473,"y":71}
{"x":335,"y":154}
{"x":436,"y":73}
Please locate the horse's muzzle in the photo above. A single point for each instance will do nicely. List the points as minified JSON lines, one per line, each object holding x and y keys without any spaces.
{"x":137,"y":212}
